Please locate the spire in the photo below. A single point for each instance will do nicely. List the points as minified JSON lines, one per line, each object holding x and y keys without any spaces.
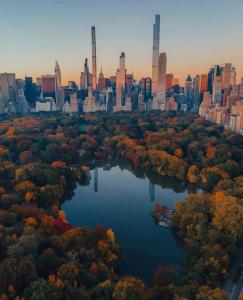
{"x":101,"y":75}
{"x":57,"y":67}
{"x":189,"y":78}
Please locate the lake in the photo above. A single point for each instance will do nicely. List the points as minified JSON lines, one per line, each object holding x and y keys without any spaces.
{"x":122,"y":200}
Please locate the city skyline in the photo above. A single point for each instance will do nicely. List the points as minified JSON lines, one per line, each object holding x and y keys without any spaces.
{"x":68,"y":38}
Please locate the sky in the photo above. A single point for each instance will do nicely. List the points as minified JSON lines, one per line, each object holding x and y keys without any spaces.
{"x":195,"y":34}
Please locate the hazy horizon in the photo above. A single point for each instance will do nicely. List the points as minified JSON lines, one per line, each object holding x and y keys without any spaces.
{"x":194,"y":35}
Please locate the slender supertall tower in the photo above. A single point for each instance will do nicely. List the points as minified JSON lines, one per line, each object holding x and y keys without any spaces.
{"x":94,"y":64}
{"x":155,"y":64}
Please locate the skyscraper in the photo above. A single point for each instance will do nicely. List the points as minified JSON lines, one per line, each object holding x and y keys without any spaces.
{"x":8,"y":86}
{"x":217,"y":87}
{"x":155,"y":63}
{"x":169,"y":81}
{"x":203,"y":83}
{"x":210,"y":80}
{"x":161,"y":78}
{"x":59,"y":91}
{"x":121,"y":81}
{"x":48,"y":86}
{"x":102,"y":82}
{"x":94,"y":63}
{"x":196,"y":94}
{"x":85,"y":78}
{"x":146,"y":88}
{"x":188,"y":92}
{"x":30,"y":91}
{"x":226,"y":75}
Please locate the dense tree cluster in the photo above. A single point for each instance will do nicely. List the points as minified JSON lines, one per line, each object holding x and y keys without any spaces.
{"x":42,"y":158}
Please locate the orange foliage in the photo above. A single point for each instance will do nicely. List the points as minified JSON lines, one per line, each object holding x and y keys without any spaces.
{"x":10,"y":131}
{"x":102,"y":246}
{"x":61,"y":215}
{"x":111,"y":235}
{"x":58,"y":164}
{"x":30,"y":221}
{"x":55,"y":281}
{"x":179,"y":153}
{"x":210,"y":152}
{"x":25,"y":185}
{"x":3,"y":150}
{"x":94,"y":268}
{"x":29,"y":196}
{"x":219,"y":196}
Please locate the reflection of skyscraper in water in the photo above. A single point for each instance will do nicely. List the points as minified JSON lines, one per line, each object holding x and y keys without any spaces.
{"x":96,"y":180}
{"x":152,"y":191}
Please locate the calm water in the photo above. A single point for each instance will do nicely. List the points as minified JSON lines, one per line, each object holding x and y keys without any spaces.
{"x":120,"y":200}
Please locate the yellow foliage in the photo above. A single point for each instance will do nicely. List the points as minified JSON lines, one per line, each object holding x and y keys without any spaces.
{"x":111,"y":235}
{"x":61,"y":215}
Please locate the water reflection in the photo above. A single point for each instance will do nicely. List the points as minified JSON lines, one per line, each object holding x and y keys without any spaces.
{"x":151,"y":191}
{"x":122,"y":199}
{"x":96,"y":174}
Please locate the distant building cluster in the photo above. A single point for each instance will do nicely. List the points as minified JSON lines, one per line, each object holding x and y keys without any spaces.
{"x":215,"y":96}
{"x":222,"y":101}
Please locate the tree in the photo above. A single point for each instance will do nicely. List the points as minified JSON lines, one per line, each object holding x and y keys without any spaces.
{"x":38,"y":290}
{"x":129,"y":288}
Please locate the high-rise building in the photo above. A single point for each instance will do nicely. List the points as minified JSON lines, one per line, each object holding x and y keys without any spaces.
{"x":73,"y":103}
{"x":7,"y":86}
{"x":155,"y":63}
{"x":90,"y":104}
{"x":129,"y":84}
{"x":30,"y":92}
{"x":233,"y":76}
{"x":146,"y":88}
{"x":102,"y":82}
{"x":217,"y":87}
{"x":226,"y":75}
{"x":48,"y":86}
{"x":169,"y":81}
{"x":59,"y":91}
{"x":203,"y":83}
{"x":196,"y":94}
{"x":210,"y":80}
{"x":161,"y":78}
{"x":109,"y":99}
{"x":121,"y":81}
{"x":188,"y":86}
{"x":94,"y":62}
{"x":21,"y":105}
{"x":86,"y":77}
